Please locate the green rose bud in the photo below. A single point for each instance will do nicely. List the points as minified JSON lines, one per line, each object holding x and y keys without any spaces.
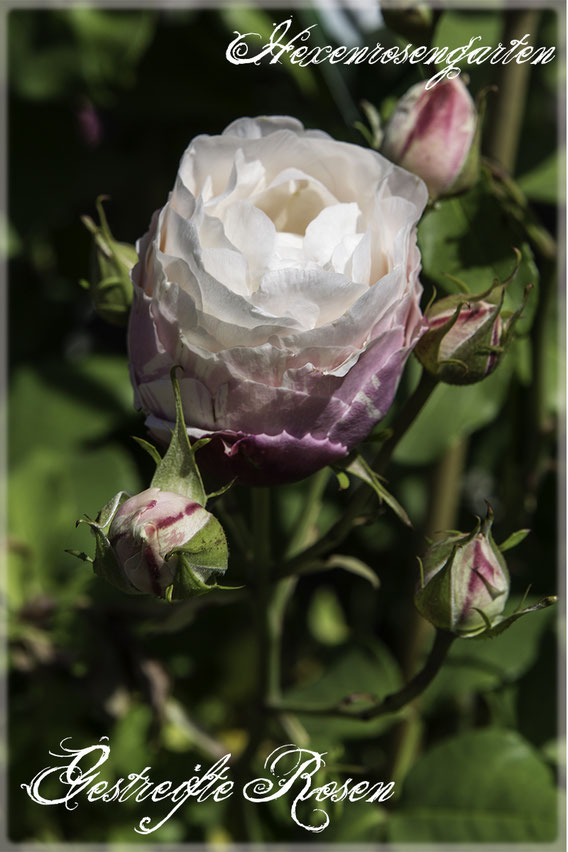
{"x":162,"y":541}
{"x":465,"y":582}
{"x":111,"y":262}
{"x":466,"y":336}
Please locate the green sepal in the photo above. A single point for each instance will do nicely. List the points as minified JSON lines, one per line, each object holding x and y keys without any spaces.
{"x":107,"y":513}
{"x":207,"y":549}
{"x":106,"y":565}
{"x":177,"y":471}
{"x":222,"y":490}
{"x":150,"y":448}
{"x":469,"y":172}
{"x":353,"y":566}
{"x":434,"y":601}
{"x":358,"y":467}
{"x":80,"y":554}
{"x":187,"y":584}
{"x":374,"y":133}
{"x":206,"y":554}
{"x":501,"y":626}
{"x":110,"y":284}
{"x":513,"y":540}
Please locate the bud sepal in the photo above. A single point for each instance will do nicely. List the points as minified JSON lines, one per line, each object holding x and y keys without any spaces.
{"x":162,"y":541}
{"x":110,"y":285}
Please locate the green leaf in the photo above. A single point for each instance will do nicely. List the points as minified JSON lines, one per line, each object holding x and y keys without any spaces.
{"x":455,"y":29}
{"x":451,"y":413}
{"x":325,"y":617}
{"x":487,"y":786}
{"x":354,"y":566}
{"x":472,"y":238}
{"x":177,"y":471}
{"x":361,"y":469}
{"x":541,"y":184}
{"x":371,"y":670}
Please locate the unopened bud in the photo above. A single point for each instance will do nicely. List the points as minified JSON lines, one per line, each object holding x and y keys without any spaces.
{"x":433,"y":133}
{"x":465,"y":583}
{"x":466,"y":336}
{"x":152,"y":531}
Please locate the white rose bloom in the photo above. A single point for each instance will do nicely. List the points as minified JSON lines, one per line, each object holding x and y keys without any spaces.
{"x":282,"y":275}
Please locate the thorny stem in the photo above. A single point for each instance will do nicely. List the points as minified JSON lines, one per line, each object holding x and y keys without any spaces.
{"x":392,"y":703}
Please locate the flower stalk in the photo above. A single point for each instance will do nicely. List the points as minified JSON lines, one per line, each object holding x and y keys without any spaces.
{"x":392,"y":703}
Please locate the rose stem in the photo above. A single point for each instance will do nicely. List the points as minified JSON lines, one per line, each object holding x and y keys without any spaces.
{"x":443,"y":515}
{"x":280,"y":596}
{"x":245,"y":819}
{"x":391,"y":703}
{"x":360,"y":499}
{"x":271,"y":599}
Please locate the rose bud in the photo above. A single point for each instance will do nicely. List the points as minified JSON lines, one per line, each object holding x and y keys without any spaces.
{"x":152,"y":531}
{"x":158,"y":543}
{"x":465,"y":582}
{"x":282,"y":275}
{"x":466,"y":336}
{"x":162,"y":541}
{"x":433,"y":133}
{"x":111,"y":262}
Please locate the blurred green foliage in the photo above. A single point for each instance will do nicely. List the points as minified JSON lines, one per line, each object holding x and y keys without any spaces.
{"x":105,"y":101}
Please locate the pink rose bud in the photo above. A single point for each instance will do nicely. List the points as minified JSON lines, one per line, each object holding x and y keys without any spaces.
{"x":465,"y":582}
{"x":466,"y":336}
{"x":152,"y":531}
{"x":432,"y":132}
